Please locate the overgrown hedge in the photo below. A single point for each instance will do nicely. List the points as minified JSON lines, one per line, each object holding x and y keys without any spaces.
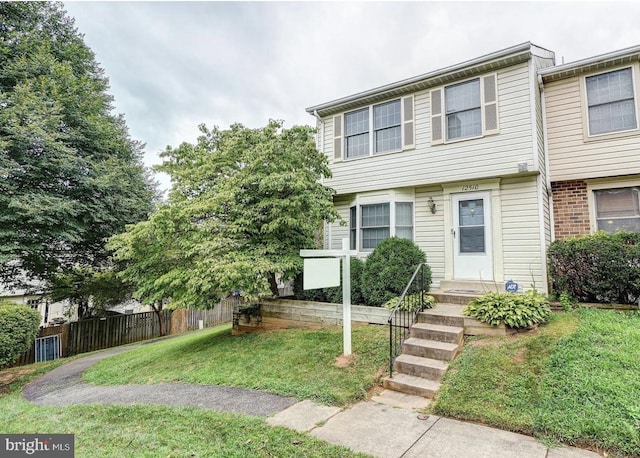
{"x":597,"y":268}
{"x":19,"y":326}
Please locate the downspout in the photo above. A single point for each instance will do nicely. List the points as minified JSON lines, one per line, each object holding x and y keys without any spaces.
{"x":546,"y":156}
{"x":547,"y":170}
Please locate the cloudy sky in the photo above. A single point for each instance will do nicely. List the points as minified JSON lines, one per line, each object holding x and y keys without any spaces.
{"x":174,"y":65}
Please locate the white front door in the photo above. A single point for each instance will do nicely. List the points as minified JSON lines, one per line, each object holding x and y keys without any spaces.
{"x":472,"y":251}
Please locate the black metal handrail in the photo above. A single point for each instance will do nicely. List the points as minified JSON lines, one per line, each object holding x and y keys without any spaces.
{"x":404,"y":314}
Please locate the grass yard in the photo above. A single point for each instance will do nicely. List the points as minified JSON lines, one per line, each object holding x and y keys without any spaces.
{"x":293,"y":362}
{"x":151,"y":431}
{"x":576,"y":380}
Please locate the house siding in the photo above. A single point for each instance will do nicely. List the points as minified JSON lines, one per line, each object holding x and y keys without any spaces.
{"x":429,"y":232}
{"x":337,"y":232}
{"x":522,"y":247}
{"x":572,"y":155}
{"x":491,"y":156}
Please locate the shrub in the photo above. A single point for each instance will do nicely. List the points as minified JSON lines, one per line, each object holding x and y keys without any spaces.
{"x":335,"y":294}
{"x":597,"y":268}
{"x":19,"y":326}
{"x":315,"y":295}
{"x":389,"y":268}
{"x":332,"y":294}
{"x":512,"y":309}
{"x":411,"y":302}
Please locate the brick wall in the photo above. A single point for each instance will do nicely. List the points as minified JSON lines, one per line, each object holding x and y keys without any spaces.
{"x":570,"y":208}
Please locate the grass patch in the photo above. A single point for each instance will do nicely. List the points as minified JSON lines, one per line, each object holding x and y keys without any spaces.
{"x":153,"y":431}
{"x":591,"y":386}
{"x":575,"y":380}
{"x":294,"y":362}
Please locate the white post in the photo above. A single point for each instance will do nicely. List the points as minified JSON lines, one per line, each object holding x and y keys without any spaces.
{"x":346,"y":297}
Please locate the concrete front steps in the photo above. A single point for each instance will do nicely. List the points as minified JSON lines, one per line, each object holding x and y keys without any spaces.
{"x":435,"y":339}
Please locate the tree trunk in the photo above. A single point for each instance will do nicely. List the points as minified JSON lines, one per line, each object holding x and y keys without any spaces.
{"x":273,"y":284}
{"x":157,"y":310}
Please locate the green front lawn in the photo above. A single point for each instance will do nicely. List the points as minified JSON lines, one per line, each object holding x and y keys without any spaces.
{"x":576,"y":380}
{"x":153,"y":431}
{"x":293,"y":362}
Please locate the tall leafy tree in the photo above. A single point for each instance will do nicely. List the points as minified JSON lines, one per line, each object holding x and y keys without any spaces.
{"x":243,"y":203}
{"x":70,"y":174}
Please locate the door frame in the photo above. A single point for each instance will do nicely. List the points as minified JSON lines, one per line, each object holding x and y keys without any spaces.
{"x":484,"y":269}
{"x":474,"y":187}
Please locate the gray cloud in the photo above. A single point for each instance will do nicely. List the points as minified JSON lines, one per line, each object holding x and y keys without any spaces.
{"x":173,"y":65}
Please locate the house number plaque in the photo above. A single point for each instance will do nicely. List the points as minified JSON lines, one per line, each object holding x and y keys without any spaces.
{"x":470,"y":187}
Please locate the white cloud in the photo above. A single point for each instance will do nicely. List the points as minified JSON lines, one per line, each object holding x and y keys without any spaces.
{"x":174,"y":65}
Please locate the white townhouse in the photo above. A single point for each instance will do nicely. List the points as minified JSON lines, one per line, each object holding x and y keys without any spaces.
{"x":454,"y":160}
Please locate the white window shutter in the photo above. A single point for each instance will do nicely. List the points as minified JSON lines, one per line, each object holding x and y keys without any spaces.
{"x":490,"y":104}
{"x":337,"y":137}
{"x":436,"y":117}
{"x":408,"y":123}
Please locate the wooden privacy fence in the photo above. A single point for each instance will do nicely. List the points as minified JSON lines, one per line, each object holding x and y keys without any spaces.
{"x":183,"y":320}
{"x":100,"y":333}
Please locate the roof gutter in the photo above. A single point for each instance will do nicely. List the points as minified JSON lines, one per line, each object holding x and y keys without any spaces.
{"x":586,"y":63}
{"x":524,"y":47}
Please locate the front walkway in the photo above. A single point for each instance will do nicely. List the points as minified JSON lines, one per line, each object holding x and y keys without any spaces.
{"x":377,"y":428}
{"x":389,"y":432}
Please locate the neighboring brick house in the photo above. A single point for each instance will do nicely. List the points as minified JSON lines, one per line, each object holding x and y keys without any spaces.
{"x":454,"y":160}
{"x":593,"y":142}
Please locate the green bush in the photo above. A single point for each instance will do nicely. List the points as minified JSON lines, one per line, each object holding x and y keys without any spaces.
{"x":389,"y":268}
{"x":335,"y":294}
{"x":411,"y":302}
{"x":597,"y":268}
{"x":19,"y":326}
{"x":314,"y":295}
{"x":512,"y":309}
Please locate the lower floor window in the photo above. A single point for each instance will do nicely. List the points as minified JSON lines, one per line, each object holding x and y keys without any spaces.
{"x":375,"y":223}
{"x":618,"y":209}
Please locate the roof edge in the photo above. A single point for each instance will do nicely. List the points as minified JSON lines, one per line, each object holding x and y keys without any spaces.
{"x":517,"y":49}
{"x":588,"y":62}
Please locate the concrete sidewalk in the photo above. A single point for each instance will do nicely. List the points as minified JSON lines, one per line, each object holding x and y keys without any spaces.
{"x":383,"y":430}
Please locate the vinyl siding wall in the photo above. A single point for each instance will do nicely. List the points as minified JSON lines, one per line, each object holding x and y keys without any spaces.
{"x":571,"y":157}
{"x":491,"y":156}
{"x":522,"y":245}
{"x":521,"y":241}
{"x":429,"y":231}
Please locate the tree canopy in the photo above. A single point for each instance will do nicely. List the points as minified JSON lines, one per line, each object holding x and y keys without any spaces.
{"x":70,"y":174}
{"x":243,"y":203}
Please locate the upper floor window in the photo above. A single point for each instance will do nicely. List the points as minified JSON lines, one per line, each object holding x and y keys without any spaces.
{"x":468,"y":109}
{"x":618,"y":208}
{"x":380,"y":128}
{"x":611,"y":102}
{"x":386,"y":124}
{"x":462,"y":109}
{"x":356,"y":132}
